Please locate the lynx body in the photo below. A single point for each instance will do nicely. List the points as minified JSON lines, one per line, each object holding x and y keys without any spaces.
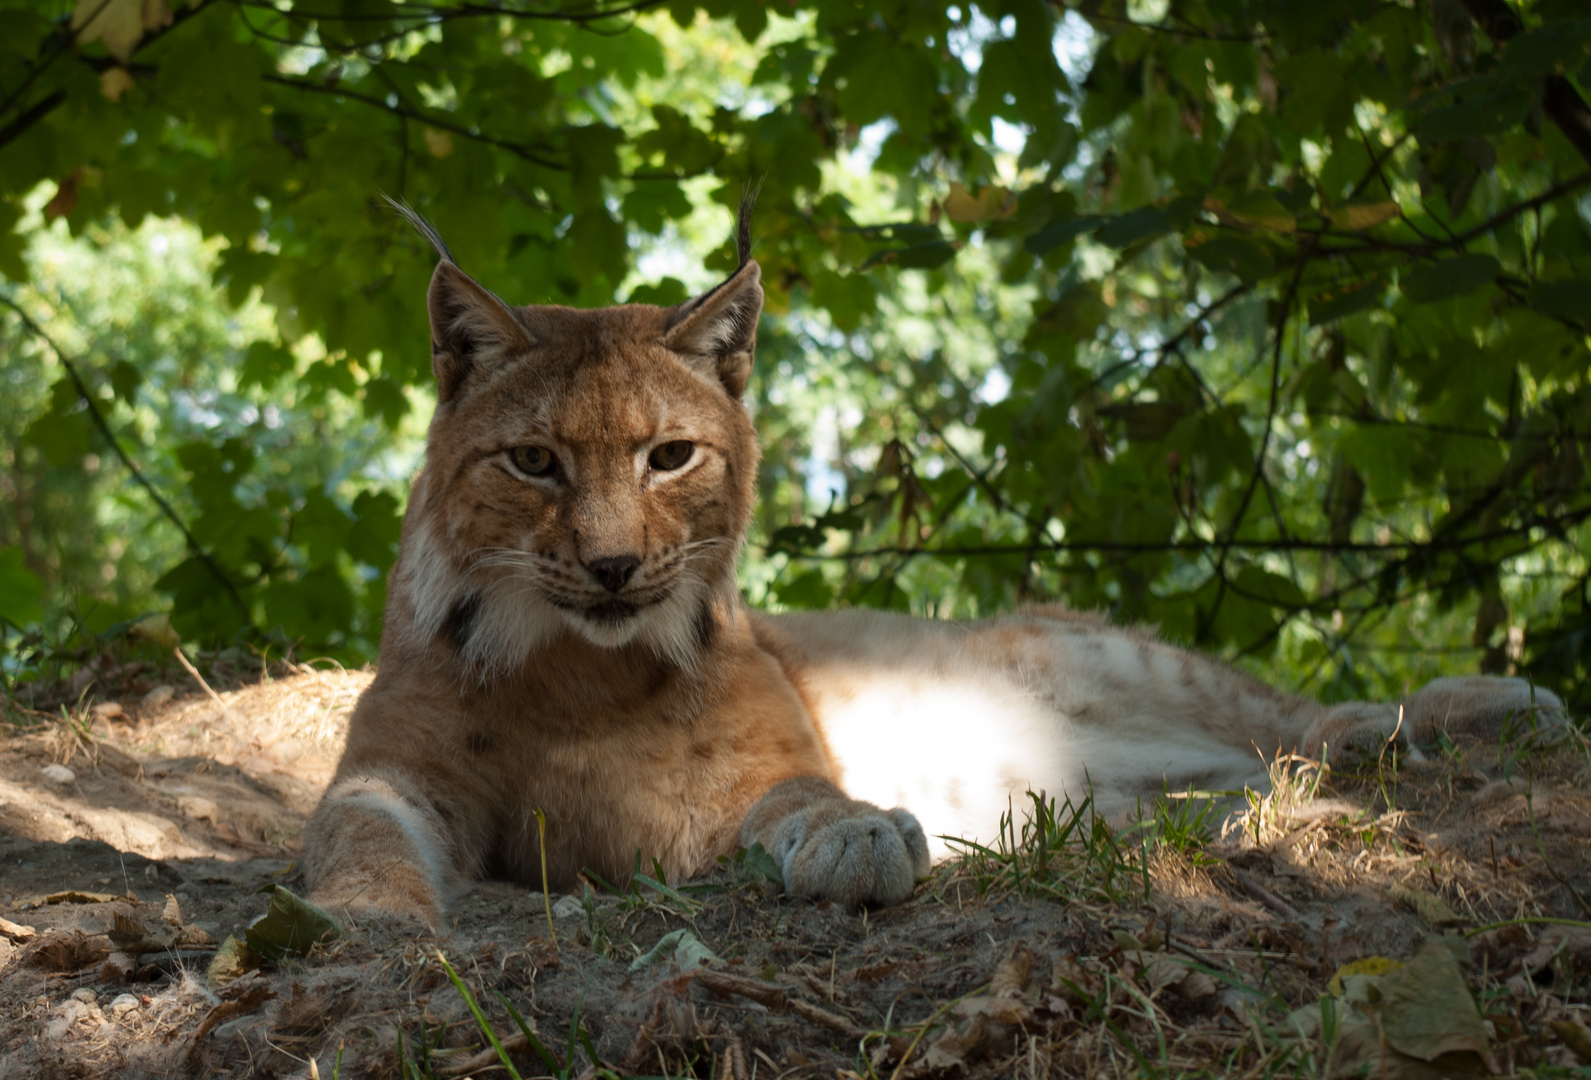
{"x":565,"y":640}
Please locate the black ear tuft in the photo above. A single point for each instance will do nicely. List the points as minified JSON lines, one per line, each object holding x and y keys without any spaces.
{"x":471,"y":329}
{"x":716,"y":334}
{"x":421,"y":226}
{"x":748,"y":203}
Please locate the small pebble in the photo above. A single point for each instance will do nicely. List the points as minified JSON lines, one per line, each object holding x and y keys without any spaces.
{"x":85,"y":995}
{"x":58,"y":774}
{"x":124,"y":1003}
{"x":108,"y":710}
{"x":157,"y":697}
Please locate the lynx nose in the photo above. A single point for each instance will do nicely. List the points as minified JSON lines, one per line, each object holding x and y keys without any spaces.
{"x":613,"y":572}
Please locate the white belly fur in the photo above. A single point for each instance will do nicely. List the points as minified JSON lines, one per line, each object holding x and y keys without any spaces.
{"x":956,"y":722}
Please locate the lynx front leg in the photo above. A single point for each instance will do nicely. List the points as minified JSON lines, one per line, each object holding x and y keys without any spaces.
{"x":838,"y":848}
{"x":375,"y":842}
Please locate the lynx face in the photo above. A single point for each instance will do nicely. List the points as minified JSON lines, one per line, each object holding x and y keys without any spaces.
{"x":586,"y":471}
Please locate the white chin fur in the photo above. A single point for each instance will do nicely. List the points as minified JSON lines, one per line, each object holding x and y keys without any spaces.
{"x":513,"y":619}
{"x":668,"y":627}
{"x":608,"y":633}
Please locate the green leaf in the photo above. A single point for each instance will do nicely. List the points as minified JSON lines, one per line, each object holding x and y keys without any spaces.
{"x":1491,"y":114}
{"x":761,"y":863}
{"x":1569,"y":299}
{"x":290,"y":927}
{"x":373,"y":539}
{"x":1061,"y":231}
{"x":1383,"y":456}
{"x":200,"y":607}
{"x":1558,"y":47}
{"x":386,"y":399}
{"x":926,"y":256}
{"x":63,"y":395}
{"x":264,"y":364}
{"x":808,"y":591}
{"x":751,"y":19}
{"x":1448,"y":278}
{"x":1148,"y":221}
{"x":1262,"y":210}
{"x":848,"y":299}
{"x":321,"y":528}
{"x":1273,"y":589}
{"x":21,"y":592}
{"x":125,"y":380}
{"x":665,"y":293}
{"x":1235,"y":255}
{"x":1346,"y":298}
{"x":796,"y":539}
{"x":1130,"y":228}
{"x":876,"y":75}
{"x":317,"y":606}
{"x":242,"y":270}
{"x":63,"y":439}
{"x":651,"y":206}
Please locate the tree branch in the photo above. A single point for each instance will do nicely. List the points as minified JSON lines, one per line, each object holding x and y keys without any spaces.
{"x":1161,"y":547}
{"x":143,"y":481}
{"x":518,"y":149}
{"x":39,"y":111}
{"x":1502,"y":217}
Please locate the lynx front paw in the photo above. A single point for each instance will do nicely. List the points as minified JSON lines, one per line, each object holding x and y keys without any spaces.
{"x":852,"y":853}
{"x":367,"y":847}
{"x":393,"y":889}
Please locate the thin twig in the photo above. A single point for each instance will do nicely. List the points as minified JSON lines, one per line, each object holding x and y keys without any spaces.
{"x":215,"y":697}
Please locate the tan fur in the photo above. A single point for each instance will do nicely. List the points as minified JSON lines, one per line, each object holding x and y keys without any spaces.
{"x":662,"y":716}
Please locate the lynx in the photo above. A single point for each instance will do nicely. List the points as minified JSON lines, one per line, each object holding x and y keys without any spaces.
{"x":566,"y":652}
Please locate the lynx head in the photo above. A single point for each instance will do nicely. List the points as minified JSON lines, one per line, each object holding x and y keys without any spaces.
{"x":588,"y":472}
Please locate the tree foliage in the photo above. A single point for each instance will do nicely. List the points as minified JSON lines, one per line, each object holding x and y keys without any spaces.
{"x":1263,"y":321}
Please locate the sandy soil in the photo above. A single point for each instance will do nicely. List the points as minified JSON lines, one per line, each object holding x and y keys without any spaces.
{"x":1115,"y":957}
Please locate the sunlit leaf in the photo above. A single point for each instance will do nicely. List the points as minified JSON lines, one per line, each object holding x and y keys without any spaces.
{"x":992,"y":201}
{"x":1359,"y":216}
{"x":1260,"y":209}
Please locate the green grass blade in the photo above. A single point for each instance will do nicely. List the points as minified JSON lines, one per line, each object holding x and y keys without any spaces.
{"x":542,"y":1052}
{"x":480,"y":1019}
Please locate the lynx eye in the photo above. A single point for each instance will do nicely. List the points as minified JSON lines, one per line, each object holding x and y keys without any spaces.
{"x":532,"y":460}
{"x":671,"y":455}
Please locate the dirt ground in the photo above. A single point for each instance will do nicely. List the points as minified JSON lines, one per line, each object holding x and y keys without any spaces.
{"x":138,"y":828}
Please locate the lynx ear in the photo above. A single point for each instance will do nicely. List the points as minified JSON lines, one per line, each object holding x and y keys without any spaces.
{"x":716,"y":333}
{"x":469,"y":325}
{"x":470,"y":328}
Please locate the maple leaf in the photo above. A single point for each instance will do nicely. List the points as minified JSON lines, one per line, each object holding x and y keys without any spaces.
{"x":120,"y":24}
